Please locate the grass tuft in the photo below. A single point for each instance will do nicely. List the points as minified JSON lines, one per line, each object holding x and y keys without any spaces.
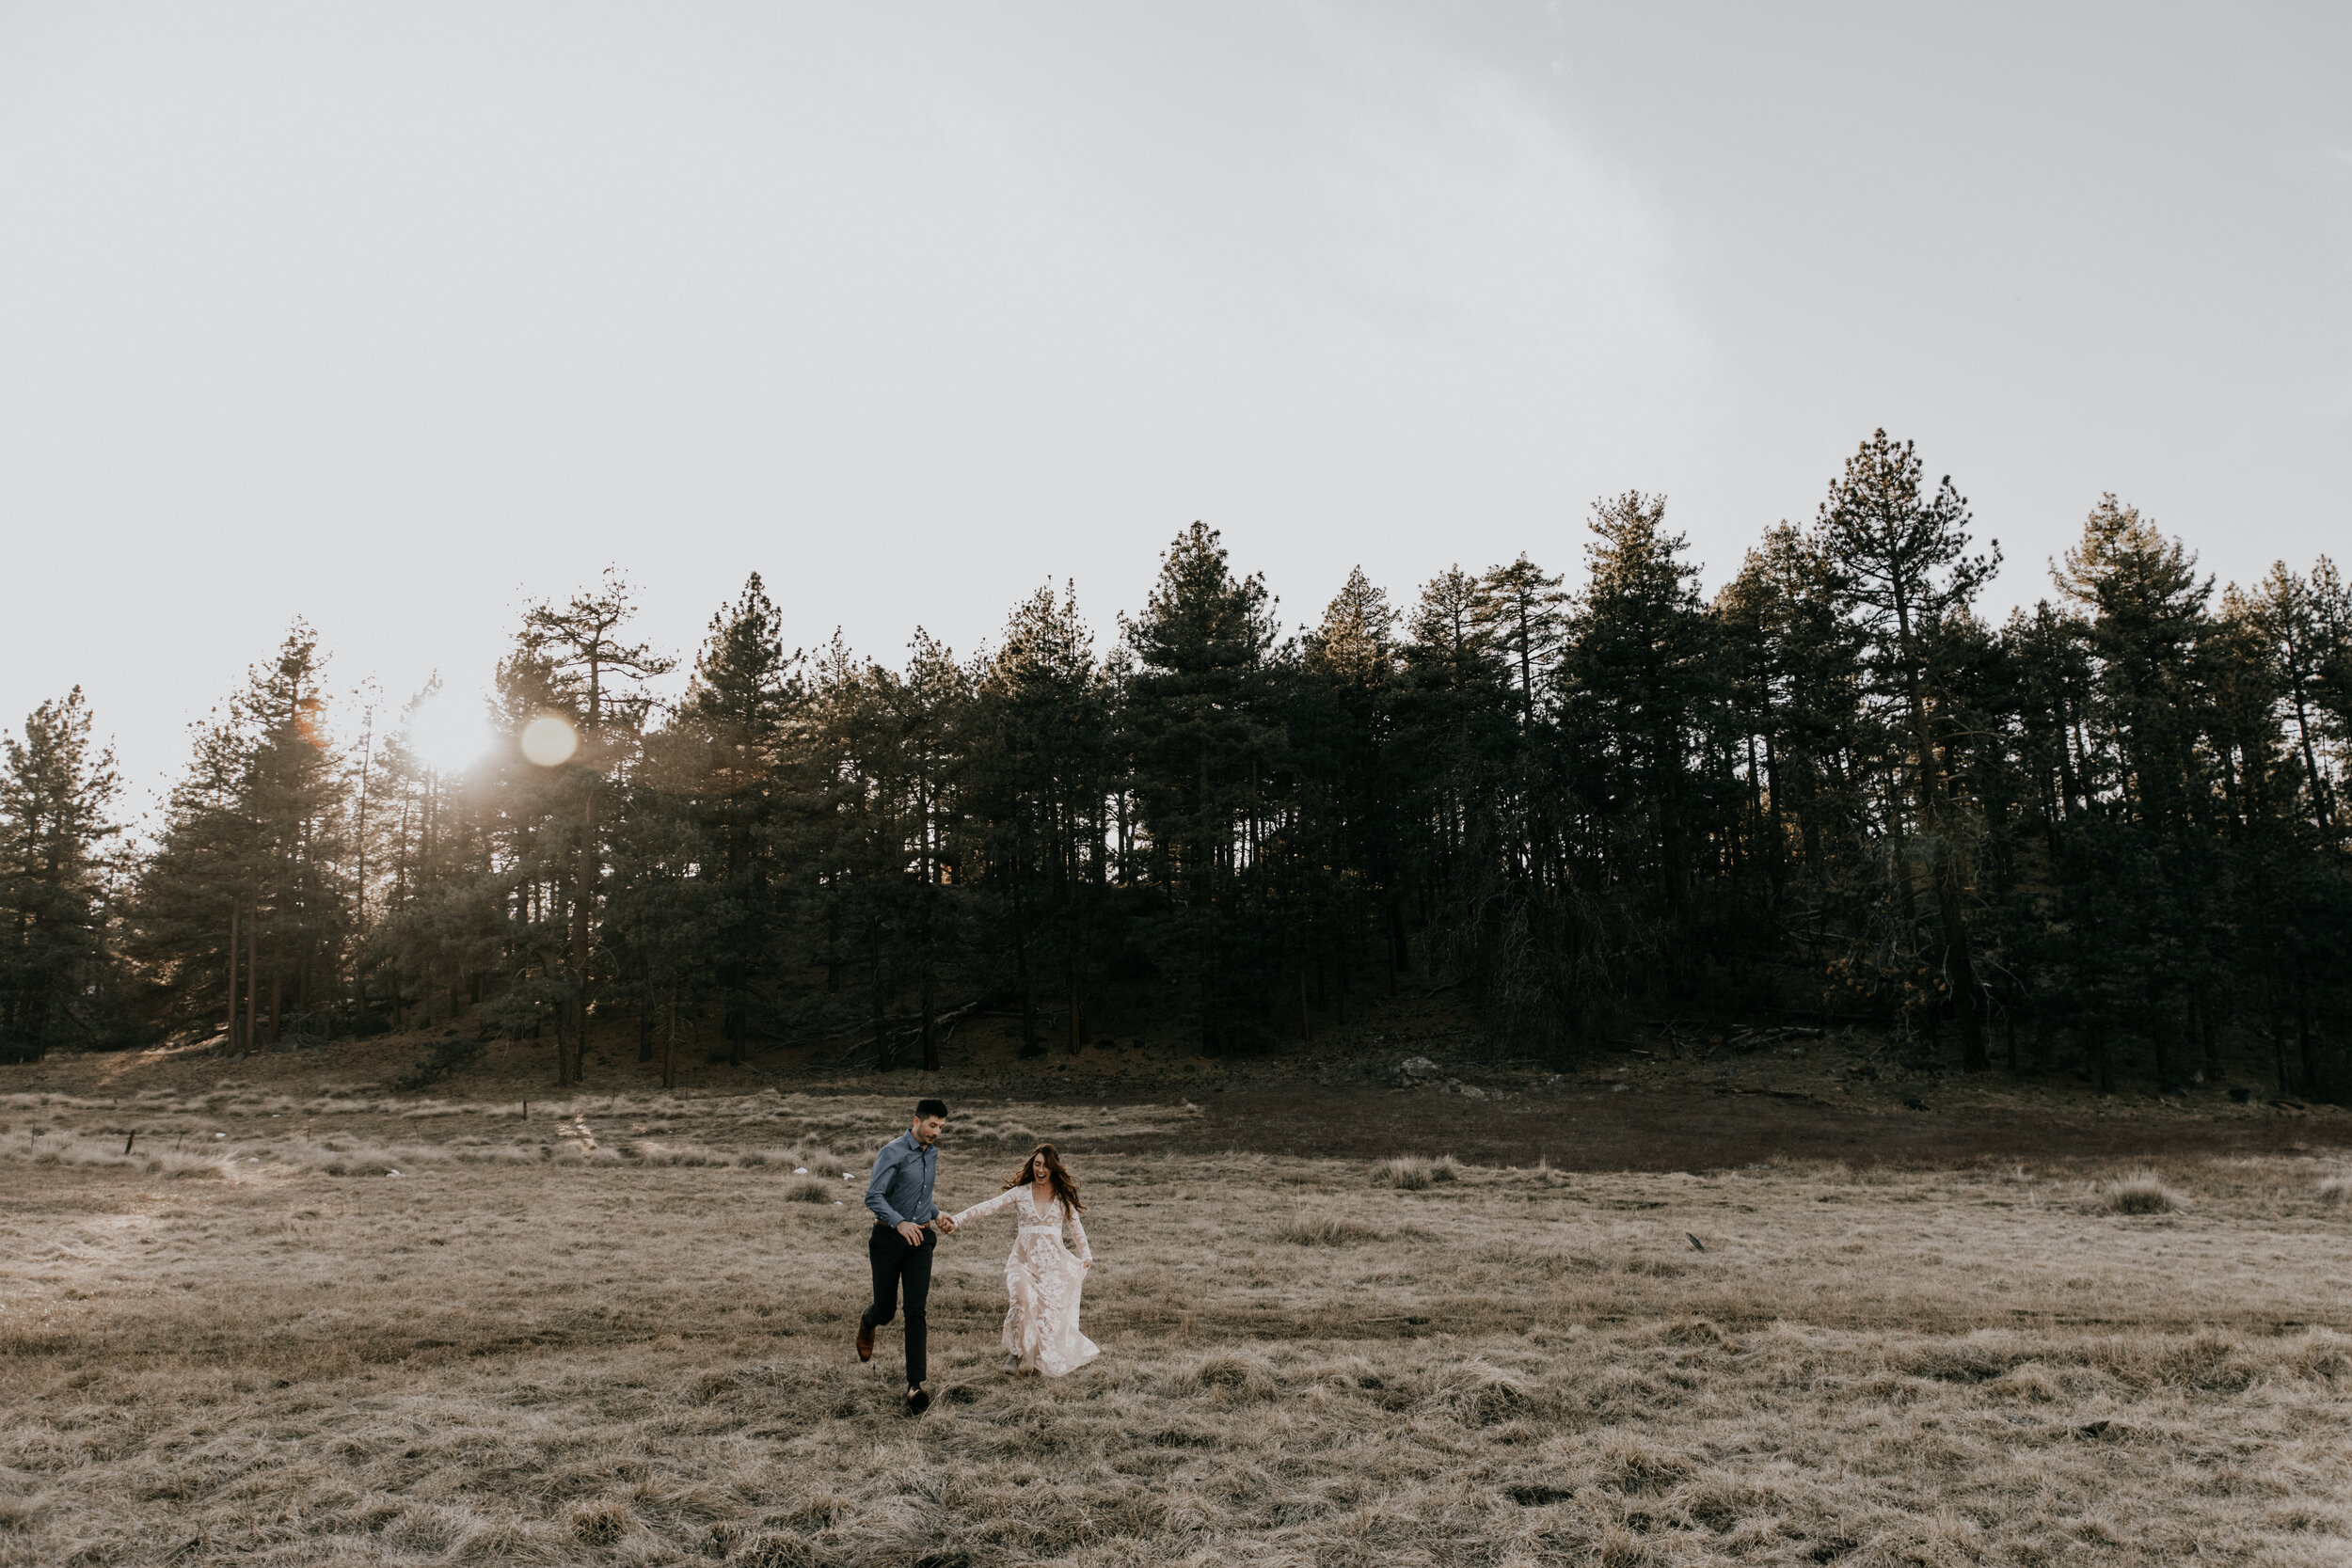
{"x":1412,"y":1173}
{"x":2335,"y":1189}
{"x":1636,"y":1467}
{"x":1238,"y":1377}
{"x":600,"y":1524}
{"x":1310,"y":1229}
{"x":2142,"y":1192}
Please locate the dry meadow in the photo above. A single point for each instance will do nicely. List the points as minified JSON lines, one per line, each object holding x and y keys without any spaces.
{"x":617,"y":1331}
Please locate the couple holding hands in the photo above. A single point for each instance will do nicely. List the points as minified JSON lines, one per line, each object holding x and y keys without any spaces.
{"x":1041,"y":1277}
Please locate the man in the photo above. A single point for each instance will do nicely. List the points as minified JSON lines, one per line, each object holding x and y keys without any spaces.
{"x":901,"y":1247}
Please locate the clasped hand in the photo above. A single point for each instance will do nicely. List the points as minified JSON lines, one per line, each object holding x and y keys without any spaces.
{"x":913,"y":1233}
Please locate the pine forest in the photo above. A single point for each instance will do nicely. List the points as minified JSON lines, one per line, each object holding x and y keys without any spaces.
{"x":2101,"y":838}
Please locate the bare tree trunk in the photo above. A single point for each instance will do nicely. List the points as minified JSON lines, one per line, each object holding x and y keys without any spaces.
{"x":232,"y":979}
{"x":2205,"y":1035}
{"x":563,"y":1014}
{"x":2306,"y":1041}
{"x":882,"y":1026}
{"x":252,"y":979}
{"x":1306,"y":1017}
{"x":669,"y":1046}
{"x":930,"y":1032}
{"x":1950,"y":899}
{"x":367,"y":758}
{"x":584,"y":893}
{"x":1205,"y":897}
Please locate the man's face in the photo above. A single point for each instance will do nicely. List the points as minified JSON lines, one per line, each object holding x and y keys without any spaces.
{"x":927,"y":1128}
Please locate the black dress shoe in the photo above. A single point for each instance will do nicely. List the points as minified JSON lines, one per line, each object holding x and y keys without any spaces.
{"x":918,"y":1401}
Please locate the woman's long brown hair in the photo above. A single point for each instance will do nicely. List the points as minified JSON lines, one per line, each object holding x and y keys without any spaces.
{"x":1065,"y":1187}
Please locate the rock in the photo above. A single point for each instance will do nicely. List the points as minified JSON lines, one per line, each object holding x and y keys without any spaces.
{"x":1416,"y":1067}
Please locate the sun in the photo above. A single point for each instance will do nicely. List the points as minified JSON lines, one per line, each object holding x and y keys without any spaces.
{"x":549,"y":741}
{"x":448,"y":733}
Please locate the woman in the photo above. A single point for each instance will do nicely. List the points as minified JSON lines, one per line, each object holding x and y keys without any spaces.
{"x":1044,"y":1279}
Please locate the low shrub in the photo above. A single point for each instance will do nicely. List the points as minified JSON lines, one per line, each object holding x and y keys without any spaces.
{"x":448,"y":1055}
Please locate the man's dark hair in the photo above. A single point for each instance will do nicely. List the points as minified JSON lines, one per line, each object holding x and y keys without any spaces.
{"x":930,"y":1108}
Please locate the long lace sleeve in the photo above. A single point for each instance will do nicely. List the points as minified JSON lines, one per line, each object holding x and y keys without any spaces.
{"x":982,"y":1210}
{"x":1079,"y":1230}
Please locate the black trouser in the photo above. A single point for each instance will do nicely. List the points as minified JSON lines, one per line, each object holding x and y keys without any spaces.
{"x":894,"y":1261}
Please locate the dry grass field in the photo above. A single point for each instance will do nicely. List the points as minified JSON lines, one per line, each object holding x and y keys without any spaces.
{"x":618,"y":1332}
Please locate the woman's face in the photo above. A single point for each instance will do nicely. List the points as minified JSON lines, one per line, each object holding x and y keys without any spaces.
{"x":1037,"y":1167}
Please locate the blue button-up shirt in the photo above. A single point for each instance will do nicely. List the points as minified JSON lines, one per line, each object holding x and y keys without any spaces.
{"x":902,"y":1186}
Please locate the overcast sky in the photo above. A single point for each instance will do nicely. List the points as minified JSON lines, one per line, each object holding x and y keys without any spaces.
{"x":396,"y":317}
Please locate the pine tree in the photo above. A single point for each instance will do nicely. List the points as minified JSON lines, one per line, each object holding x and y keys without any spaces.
{"x":1637,"y":683}
{"x":58,"y":792}
{"x":2305,"y":621}
{"x":936,"y":702}
{"x":1342,"y":727}
{"x":249,"y":884}
{"x":731,"y":735}
{"x":590,"y":669}
{"x":1038,"y":774}
{"x":1201,"y":729}
{"x":1453,"y":743}
{"x":1792,"y":693}
{"x":1903,"y":568}
{"x":1521,"y":610}
{"x":2147,"y":612}
{"x":441,"y":927}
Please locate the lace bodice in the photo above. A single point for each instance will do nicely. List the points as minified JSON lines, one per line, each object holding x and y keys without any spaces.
{"x":1035,"y":1222}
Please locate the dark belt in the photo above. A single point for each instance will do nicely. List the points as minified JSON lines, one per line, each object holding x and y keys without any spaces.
{"x":893,"y":1229}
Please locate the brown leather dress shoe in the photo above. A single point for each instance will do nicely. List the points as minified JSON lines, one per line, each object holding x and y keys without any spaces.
{"x":865,"y":1340}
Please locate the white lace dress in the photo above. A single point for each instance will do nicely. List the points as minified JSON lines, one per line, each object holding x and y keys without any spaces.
{"x":1045,"y":1281}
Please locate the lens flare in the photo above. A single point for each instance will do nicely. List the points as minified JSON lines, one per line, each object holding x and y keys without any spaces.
{"x":448,"y":733}
{"x":549,"y":741}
